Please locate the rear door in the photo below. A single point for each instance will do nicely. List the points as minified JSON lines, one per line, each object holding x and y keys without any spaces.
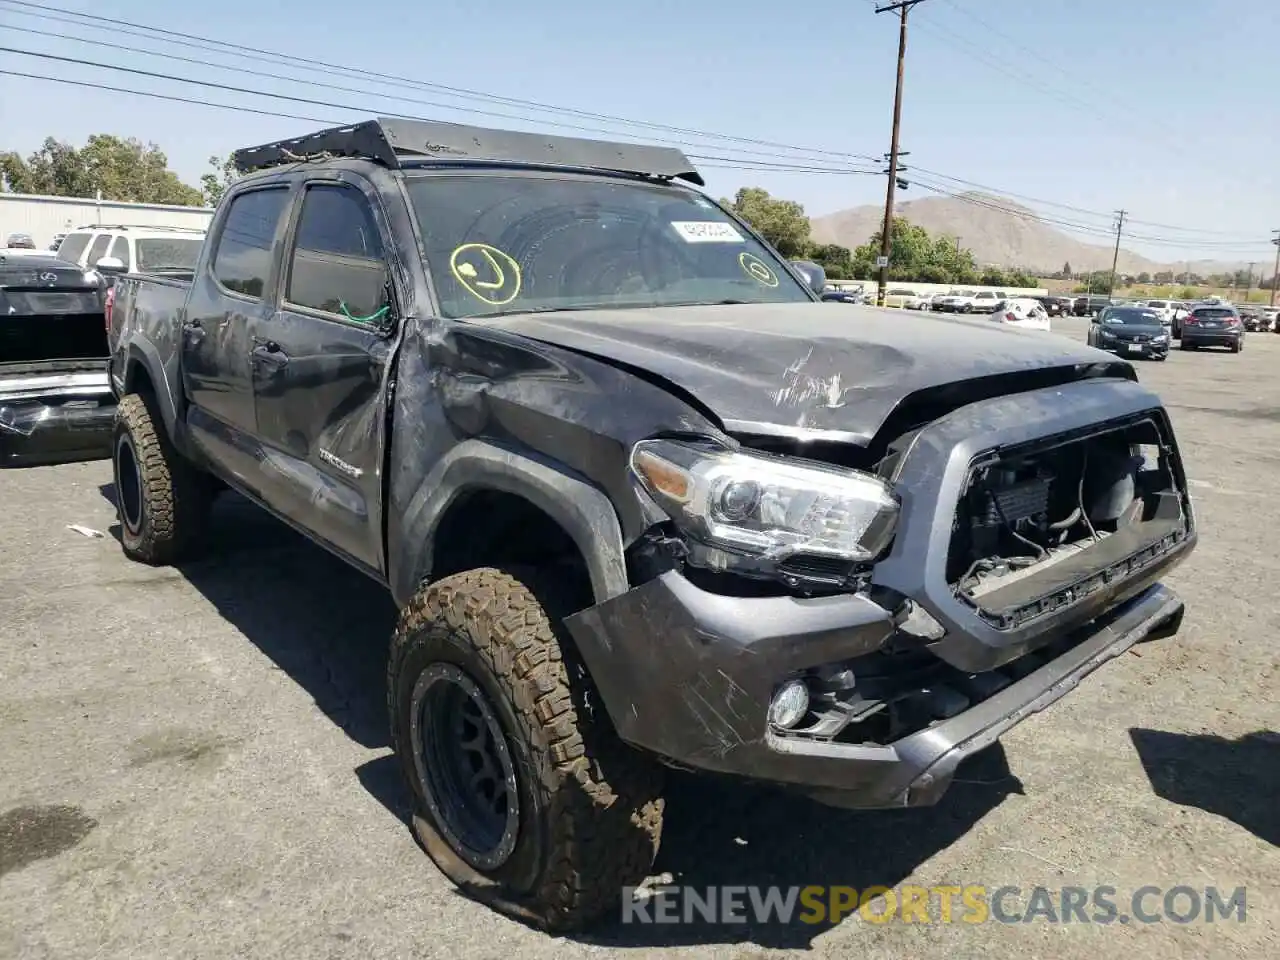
{"x":319,"y":370}
{"x":235,"y":290}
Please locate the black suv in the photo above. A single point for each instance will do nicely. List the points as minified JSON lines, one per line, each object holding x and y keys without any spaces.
{"x":642,"y":498}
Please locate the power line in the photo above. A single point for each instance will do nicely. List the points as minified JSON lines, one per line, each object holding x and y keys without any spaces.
{"x":241,"y":51}
{"x":1088,"y":230}
{"x":311,"y":101}
{"x":328,"y":121}
{"x":319,"y":66}
{"x":406,"y":99}
{"x":225,"y":48}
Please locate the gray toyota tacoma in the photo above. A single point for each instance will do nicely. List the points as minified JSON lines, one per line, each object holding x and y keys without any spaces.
{"x":644,"y":501}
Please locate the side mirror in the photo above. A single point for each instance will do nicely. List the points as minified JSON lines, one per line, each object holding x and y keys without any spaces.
{"x":813,"y":274}
{"x":109,"y":266}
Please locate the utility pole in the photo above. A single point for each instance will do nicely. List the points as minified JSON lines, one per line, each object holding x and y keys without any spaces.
{"x":886,"y":239}
{"x":1275,"y":277}
{"x":1115,"y":259}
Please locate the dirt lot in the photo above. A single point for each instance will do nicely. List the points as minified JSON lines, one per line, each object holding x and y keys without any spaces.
{"x":194,"y":763}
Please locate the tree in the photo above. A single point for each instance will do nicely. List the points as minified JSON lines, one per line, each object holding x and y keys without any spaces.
{"x":1144,"y":277}
{"x":214,"y":184}
{"x":994,"y":277}
{"x":781,"y":222}
{"x":1164,"y":277}
{"x":836,"y":260}
{"x":1066,"y":271}
{"x":122,"y":169}
{"x":1100,"y":282}
{"x":913,"y":255}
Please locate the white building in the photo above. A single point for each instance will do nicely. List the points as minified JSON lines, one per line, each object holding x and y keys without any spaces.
{"x":44,"y":217}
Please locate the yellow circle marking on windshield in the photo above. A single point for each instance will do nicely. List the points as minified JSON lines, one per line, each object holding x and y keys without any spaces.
{"x":486,"y":273}
{"x":757,"y":269}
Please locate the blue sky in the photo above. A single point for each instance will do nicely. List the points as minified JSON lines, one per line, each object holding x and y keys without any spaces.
{"x":1168,"y":109}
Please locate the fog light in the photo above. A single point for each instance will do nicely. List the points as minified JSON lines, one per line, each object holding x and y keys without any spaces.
{"x":789,"y":704}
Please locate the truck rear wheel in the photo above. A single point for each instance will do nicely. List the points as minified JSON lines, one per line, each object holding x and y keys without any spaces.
{"x":523,"y":796}
{"x":162,"y":501}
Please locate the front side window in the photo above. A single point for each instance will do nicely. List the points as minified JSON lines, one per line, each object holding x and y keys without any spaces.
{"x":338,"y":264}
{"x":99,"y":248}
{"x":498,"y":244}
{"x":242,"y":260}
{"x":120,"y":250}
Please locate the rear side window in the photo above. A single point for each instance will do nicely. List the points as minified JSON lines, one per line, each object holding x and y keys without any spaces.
{"x":120,"y":250}
{"x":242,"y":260}
{"x":99,"y":248}
{"x":338,"y":264}
{"x":73,"y":245}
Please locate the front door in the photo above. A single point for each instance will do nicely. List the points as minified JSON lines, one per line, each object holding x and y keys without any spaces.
{"x":319,"y":368}
{"x":236,"y":290}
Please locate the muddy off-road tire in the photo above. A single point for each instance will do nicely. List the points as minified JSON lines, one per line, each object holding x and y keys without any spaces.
{"x":556,"y":814}
{"x":162,"y":501}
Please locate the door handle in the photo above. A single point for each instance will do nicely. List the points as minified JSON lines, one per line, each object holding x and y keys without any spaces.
{"x":269,"y":352}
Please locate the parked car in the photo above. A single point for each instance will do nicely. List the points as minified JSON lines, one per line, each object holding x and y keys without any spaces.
{"x":1271,"y":319}
{"x":416,"y":357}
{"x":904,"y":298}
{"x":1216,"y":325}
{"x":19,"y":241}
{"x":57,"y":241}
{"x":1130,"y":331}
{"x":1162,"y":308}
{"x":835,"y":295}
{"x":985,"y":301}
{"x":55,"y":401}
{"x":1091,"y":305}
{"x":1055,"y":306}
{"x":957,"y":301}
{"x":1022,"y":312}
{"x":129,"y":248}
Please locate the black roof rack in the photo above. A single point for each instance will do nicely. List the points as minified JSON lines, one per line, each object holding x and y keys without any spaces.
{"x":391,"y":142}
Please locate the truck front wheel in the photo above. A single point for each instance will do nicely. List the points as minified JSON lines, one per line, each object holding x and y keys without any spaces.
{"x":522,"y":796}
{"x":161,"y":500}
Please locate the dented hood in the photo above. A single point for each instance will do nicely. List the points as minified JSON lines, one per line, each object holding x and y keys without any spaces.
{"x":800,"y":368}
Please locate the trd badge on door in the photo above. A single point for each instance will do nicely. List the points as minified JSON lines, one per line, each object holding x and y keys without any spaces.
{"x":342,"y":465}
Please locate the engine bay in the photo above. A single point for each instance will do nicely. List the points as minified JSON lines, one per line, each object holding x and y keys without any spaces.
{"x":1028,"y":510}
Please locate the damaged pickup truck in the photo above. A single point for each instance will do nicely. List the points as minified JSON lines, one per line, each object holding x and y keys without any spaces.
{"x":644,"y":501}
{"x":55,"y":401}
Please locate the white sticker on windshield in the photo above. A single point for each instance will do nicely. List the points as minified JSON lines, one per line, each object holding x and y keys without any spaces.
{"x":707,"y":231}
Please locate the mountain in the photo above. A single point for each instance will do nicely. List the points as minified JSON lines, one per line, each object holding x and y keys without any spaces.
{"x":1016,"y":238}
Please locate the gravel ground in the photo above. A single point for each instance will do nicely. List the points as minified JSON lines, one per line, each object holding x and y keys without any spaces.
{"x":194,"y":763}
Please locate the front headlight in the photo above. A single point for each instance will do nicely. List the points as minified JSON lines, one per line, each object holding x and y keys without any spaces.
{"x":767,"y":507}
{"x":1160,"y":338}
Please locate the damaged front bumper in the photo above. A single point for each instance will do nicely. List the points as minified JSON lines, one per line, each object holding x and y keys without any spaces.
{"x":689,"y":675}
{"x":48,"y":418}
{"x":696,"y":689}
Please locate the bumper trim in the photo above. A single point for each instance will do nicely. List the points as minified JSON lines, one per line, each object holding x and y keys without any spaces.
{"x":933,"y":754}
